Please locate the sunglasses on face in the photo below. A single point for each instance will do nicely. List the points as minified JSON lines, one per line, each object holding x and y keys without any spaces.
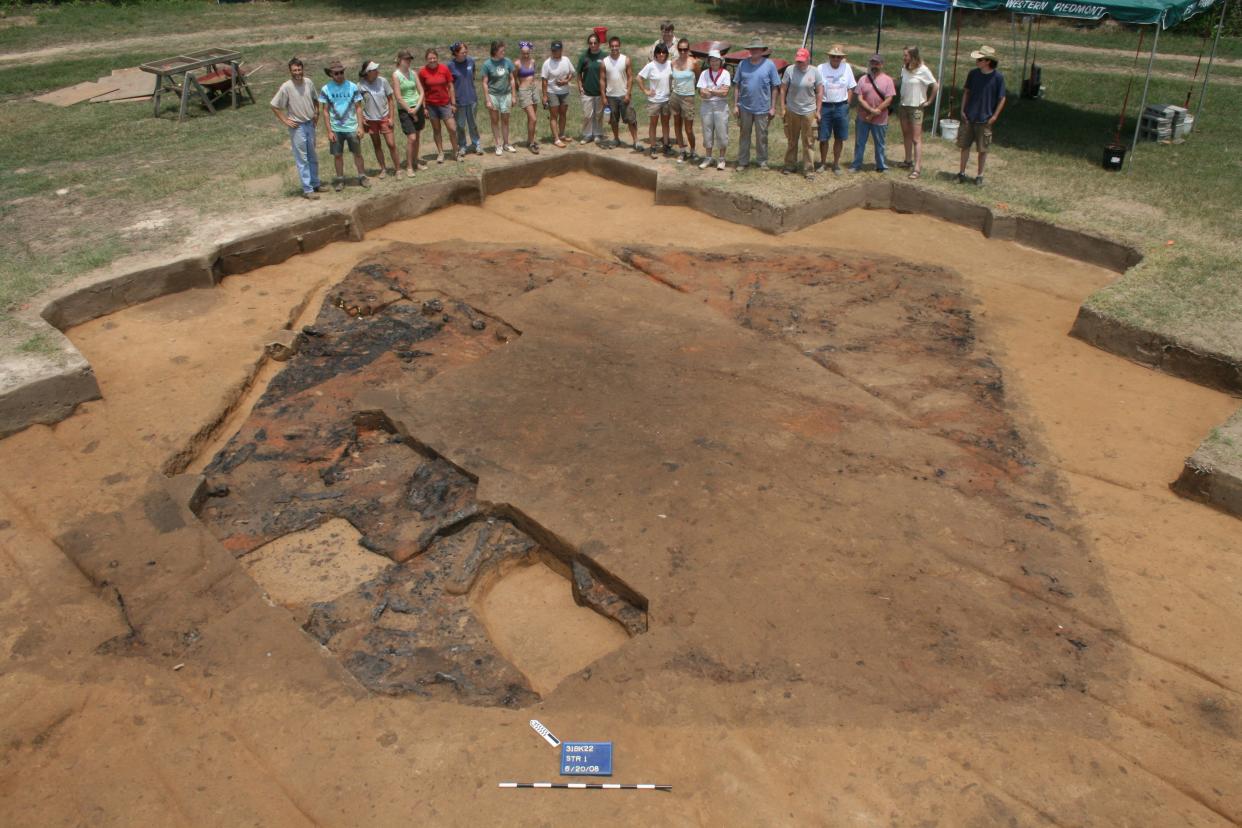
{"x":337,"y":74}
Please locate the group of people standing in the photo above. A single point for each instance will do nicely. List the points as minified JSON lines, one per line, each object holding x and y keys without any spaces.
{"x":812,"y":101}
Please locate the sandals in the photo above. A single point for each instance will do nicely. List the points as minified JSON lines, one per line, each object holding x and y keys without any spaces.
{"x":558,"y":143}
{"x":914,"y":174}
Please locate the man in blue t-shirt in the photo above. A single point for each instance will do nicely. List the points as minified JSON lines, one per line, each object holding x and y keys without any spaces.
{"x":462,"y":67}
{"x":342,"y":116}
{"x":754,"y":84}
{"x":982,"y":103}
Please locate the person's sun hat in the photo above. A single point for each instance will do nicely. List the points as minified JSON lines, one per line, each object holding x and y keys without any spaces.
{"x":877,"y":59}
{"x":334,"y":66}
{"x":984,"y":52}
{"x":556,"y":44}
{"x":714,"y":53}
{"x":836,"y":51}
{"x":802,"y":55}
{"x":371,"y":67}
{"x":757,"y":43}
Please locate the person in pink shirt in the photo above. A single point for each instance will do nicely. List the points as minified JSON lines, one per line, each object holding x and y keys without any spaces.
{"x":875,"y":92}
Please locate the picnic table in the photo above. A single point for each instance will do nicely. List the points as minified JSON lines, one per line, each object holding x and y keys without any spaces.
{"x":175,"y":75}
{"x":700,"y":50}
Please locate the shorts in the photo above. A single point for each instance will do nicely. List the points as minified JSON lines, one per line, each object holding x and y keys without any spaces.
{"x":621,"y":111}
{"x":501,"y":103}
{"x":381,"y":127}
{"x":337,"y":147}
{"x":979,"y":134}
{"x":834,"y":121}
{"x":683,"y":105}
{"x":556,"y":99}
{"x":528,"y":96}
{"x":911,"y":113}
{"x":439,"y":113}
{"x":413,"y":124}
{"x":656,"y":109}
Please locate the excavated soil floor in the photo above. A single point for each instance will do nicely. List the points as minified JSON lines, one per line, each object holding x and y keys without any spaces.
{"x":832,"y":528}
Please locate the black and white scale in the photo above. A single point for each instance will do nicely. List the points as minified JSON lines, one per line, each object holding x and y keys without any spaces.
{"x":581,"y":759}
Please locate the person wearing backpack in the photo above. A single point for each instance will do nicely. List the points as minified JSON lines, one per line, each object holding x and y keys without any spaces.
{"x":875,"y":92}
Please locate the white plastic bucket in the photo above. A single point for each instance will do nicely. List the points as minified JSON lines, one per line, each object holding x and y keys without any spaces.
{"x":948,"y":129}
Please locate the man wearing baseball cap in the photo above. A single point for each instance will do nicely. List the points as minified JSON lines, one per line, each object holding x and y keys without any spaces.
{"x":834,"y":115}
{"x":982,"y":103}
{"x":875,"y":93}
{"x":802,"y":93}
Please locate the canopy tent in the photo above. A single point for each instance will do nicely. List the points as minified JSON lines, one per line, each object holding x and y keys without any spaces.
{"x":1163,"y":14}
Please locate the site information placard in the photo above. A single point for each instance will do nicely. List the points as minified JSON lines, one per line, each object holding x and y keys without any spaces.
{"x":586,"y":758}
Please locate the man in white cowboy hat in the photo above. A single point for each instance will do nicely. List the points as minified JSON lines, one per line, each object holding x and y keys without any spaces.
{"x":834,"y":114}
{"x":713,"y":86}
{"x":982,"y":103}
{"x":755,"y":81}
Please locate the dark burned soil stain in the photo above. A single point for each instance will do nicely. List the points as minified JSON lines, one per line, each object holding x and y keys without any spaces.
{"x":306,"y":455}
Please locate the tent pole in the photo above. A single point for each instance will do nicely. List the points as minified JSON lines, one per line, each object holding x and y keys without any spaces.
{"x":1138,"y":122}
{"x":878,"y":27}
{"x":944,"y":46}
{"x":1208,"y":72}
{"x":810,"y":16}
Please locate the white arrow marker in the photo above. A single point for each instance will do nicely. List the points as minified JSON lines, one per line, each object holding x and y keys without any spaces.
{"x":545,"y":733}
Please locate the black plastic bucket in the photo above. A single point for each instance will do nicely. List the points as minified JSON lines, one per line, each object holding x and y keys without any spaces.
{"x":1114,"y":157}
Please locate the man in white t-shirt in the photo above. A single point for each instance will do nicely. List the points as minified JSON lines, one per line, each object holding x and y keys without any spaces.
{"x":296,"y":105}
{"x":658,"y":77}
{"x":713,"y":88}
{"x":556,"y":76}
{"x":617,"y":80}
{"x":834,"y":113}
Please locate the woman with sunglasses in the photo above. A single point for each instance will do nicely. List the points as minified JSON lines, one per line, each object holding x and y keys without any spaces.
{"x":528,"y":91}
{"x":685,"y":74}
{"x":440,"y":100}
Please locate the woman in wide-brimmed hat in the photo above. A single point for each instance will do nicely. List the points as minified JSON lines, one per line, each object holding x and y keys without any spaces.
{"x":713,"y":88}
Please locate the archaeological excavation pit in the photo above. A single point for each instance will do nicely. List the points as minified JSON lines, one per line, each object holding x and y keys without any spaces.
{"x":658,"y":479}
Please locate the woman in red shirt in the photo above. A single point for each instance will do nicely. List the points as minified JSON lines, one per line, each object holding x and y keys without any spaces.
{"x":440,"y":99}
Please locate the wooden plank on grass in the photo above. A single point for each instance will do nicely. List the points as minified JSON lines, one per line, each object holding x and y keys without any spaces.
{"x":130,"y":83}
{"x":77,"y":93}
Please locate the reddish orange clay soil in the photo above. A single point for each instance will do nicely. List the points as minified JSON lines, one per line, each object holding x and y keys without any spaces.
{"x":833,"y":528}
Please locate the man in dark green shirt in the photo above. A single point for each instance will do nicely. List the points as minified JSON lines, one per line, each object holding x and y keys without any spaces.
{"x":592,"y":95}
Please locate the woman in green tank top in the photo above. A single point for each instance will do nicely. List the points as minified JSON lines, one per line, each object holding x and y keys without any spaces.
{"x":409,"y":96}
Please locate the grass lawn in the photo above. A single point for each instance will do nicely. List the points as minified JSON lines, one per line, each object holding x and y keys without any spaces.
{"x":94,"y":182}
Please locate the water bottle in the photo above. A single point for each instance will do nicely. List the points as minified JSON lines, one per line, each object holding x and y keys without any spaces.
{"x":607,"y":111}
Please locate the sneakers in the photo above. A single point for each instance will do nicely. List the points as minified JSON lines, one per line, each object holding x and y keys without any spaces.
{"x":534,"y":148}
{"x":319,"y":188}
{"x":819,"y":168}
{"x":478,"y":148}
{"x":500,"y":150}
{"x":363,"y":182}
{"x":461,"y":155}
{"x":587,"y":139}
{"x":382,"y":173}
{"x":681,"y":157}
{"x":836,"y":169}
{"x":707,"y":162}
{"x":337,"y":185}
{"x":853,"y":170}
{"x":961,"y":178}
{"x":439,"y":157}
{"x":311,"y":194}
{"x":720,"y":165}
{"x":422,"y":165}
{"x":763,"y":165}
{"x":978,"y":181}
{"x":509,"y":148}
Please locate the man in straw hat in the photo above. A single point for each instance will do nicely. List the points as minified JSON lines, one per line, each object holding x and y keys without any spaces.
{"x":834,"y":115}
{"x":342,"y":115}
{"x":755,"y":82}
{"x":982,"y":103}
